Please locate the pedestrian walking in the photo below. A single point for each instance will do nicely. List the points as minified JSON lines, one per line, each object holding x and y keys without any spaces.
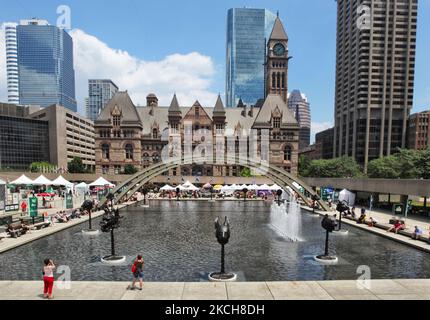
{"x":48,"y":278}
{"x":23,"y":207}
{"x":137,"y":270}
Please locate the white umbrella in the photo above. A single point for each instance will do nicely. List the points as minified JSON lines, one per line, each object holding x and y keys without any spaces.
{"x":101,"y":182}
{"x":60,"y":181}
{"x":167,"y":188}
{"x":22,"y":180}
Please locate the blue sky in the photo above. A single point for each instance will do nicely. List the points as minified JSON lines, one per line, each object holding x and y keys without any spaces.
{"x":150,"y":31}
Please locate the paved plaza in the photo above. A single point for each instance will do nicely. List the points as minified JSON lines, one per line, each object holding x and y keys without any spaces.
{"x":311,"y":290}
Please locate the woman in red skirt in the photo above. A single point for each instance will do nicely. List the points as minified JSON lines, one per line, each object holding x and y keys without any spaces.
{"x":48,"y":278}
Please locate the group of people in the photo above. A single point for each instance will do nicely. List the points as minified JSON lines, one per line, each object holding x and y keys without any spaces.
{"x":49,"y":279}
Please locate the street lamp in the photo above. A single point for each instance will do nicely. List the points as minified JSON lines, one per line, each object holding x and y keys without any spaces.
{"x":329,"y":224}
{"x":223,"y":236}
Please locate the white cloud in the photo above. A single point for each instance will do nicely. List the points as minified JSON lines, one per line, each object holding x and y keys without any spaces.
{"x":317,"y":127}
{"x":3,"y":75}
{"x":189,"y":75}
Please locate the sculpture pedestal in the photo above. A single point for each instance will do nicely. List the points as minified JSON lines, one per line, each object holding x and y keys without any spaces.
{"x":113,"y":260}
{"x":222,"y":277}
{"x":91,"y":232}
{"x":326,"y":259}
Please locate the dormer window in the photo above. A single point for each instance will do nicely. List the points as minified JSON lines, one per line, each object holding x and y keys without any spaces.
{"x":154,"y":133}
{"x":277,"y":123}
{"x":116,"y":121}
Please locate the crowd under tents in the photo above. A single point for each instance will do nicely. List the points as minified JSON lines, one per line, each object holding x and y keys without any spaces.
{"x":227,"y":189}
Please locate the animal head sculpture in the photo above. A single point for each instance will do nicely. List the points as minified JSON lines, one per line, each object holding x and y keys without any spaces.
{"x":222,"y":231}
{"x":342,"y":206}
{"x":329,"y":223}
{"x":87,"y":205}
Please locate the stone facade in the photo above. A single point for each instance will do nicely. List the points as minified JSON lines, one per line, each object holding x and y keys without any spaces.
{"x":131,"y":135}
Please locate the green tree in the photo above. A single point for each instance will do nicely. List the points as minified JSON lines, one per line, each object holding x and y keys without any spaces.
{"x":344,"y":167}
{"x":130,"y":169}
{"x":304,"y":164}
{"x":246,"y":173}
{"x":41,"y":167}
{"x":76,"y":166}
{"x":384,"y":168}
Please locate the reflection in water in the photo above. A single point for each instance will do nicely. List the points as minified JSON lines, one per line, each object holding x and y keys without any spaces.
{"x":177,"y":240}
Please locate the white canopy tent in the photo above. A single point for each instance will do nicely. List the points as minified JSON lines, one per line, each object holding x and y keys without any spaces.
{"x":101,"y":182}
{"x":253,"y":187}
{"x":243,"y":186}
{"x":23,"y":180}
{"x":42,"y":181}
{"x":167,"y":188}
{"x":227,"y":189}
{"x":275,"y":187}
{"x":2,"y":182}
{"x":81,"y":188}
{"x":264,"y":187}
{"x":60,"y":181}
{"x":188,"y":186}
{"x":347,"y":196}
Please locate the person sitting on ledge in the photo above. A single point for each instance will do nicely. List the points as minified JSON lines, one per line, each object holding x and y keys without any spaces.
{"x":417,"y":233}
{"x":362,"y":218}
{"x":396,"y":227}
{"x":372,"y":222}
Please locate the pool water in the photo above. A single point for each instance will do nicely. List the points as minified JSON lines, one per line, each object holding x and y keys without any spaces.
{"x":178,"y":243}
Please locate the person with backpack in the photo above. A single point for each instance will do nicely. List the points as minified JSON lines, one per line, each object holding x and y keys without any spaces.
{"x":137,"y":270}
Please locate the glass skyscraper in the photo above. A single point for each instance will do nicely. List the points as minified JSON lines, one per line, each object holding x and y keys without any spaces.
{"x":247,"y":33}
{"x":100,"y":93}
{"x":45,"y":64}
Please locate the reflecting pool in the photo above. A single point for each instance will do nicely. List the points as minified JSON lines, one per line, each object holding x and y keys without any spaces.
{"x":177,"y":240}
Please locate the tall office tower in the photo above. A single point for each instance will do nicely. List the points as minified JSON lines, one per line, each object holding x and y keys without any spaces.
{"x":299,"y":105}
{"x":12,"y":63}
{"x":100,"y":92}
{"x":45,"y":64}
{"x":247,"y":33}
{"x":376,"y":42}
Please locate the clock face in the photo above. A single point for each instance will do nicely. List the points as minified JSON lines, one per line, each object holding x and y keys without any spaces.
{"x":279,"y":49}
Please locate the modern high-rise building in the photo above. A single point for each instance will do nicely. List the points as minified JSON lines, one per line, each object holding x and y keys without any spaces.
{"x":45,"y":65}
{"x":12,"y":63}
{"x":248,"y":31}
{"x":376,"y":45}
{"x":299,"y":105}
{"x":99,"y":94}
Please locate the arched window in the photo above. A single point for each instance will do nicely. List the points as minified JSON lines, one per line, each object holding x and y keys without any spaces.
{"x":288,"y":153}
{"x":154,"y":133}
{"x":129,"y":152}
{"x":283,"y":80}
{"x":105,"y":151}
{"x":155,"y":158}
{"x":278,"y":80}
{"x":145,"y":157}
{"x":273,"y":80}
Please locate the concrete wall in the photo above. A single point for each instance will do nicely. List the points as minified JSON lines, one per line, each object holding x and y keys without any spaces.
{"x":384,"y":186}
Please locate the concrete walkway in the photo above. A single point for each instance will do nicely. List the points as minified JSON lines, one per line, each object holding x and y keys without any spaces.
{"x":312,"y":290}
{"x":420,"y":245}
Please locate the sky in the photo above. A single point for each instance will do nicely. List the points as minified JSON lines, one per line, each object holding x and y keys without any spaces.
{"x":171,"y":46}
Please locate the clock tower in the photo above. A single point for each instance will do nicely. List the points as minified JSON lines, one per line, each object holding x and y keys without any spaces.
{"x":277,"y":62}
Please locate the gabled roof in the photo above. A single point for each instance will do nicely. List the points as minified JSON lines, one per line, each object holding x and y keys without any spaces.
{"x":278,"y":32}
{"x":121,"y":101}
{"x":272,"y":104}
